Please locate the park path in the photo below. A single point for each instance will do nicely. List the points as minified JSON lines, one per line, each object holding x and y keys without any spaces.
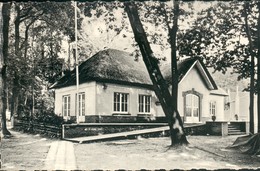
{"x":61,"y":156}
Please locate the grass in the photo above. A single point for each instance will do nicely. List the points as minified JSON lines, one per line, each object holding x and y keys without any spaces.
{"x":28,"y":152}
{"x":204,"y":152}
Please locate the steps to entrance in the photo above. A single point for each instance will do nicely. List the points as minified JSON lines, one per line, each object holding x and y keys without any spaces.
{"x":234,"y":130}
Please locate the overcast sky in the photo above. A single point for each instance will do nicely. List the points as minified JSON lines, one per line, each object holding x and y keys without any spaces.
{"x":93,"y":32}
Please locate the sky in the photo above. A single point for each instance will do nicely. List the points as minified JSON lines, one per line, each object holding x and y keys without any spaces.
{"x":93,"y":32}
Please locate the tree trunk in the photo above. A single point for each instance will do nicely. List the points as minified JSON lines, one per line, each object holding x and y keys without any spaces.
{"x":15,"y":96}
{"x":258,"y":67}
{"x":173,"y":35}
{"x":252,"y":69}
{"x":3,"y":58}
{"x":160,"y":87}
{"x":15,"y":89}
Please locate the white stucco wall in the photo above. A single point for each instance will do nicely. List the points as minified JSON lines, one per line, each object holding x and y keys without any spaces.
{"x":241,"y":108}
{"x":99,"y":100}
{"x":194,"y":81}
{"x":105,"y":98}
{"x":220,"y":105}
{"x":90,"y":98}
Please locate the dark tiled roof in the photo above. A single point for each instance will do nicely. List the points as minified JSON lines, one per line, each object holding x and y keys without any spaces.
{"x":117,"y":66}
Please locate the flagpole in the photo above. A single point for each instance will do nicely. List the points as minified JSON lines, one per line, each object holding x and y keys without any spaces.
{"x":77,"y":64}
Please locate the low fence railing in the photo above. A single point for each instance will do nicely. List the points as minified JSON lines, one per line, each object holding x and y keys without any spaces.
{"x":36,"y":127}
{"x":91,"y":129}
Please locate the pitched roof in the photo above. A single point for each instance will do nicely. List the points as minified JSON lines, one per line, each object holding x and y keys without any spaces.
{"x":115,"y":66}
{"x":109,"y":65}
{"x":184,"y":66}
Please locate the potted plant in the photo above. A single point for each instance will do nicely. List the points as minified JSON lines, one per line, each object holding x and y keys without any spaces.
{"x":236,"y":117}
{"x":213,"y":118}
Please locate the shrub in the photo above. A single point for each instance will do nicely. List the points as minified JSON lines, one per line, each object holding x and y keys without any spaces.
{"x":48,"y":117}
{"x":72,"y":120}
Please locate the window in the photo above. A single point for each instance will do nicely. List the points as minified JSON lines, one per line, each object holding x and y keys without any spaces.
{"x":66,"y":105}
{"x":212,"y":108}
{"x":144,"y":104}
{"x":81,"y":104}
{"x":192,"y":105}
{"x":121,"y":102}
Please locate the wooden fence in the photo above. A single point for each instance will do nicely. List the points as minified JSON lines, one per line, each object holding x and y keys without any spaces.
{"x":41,"y":128}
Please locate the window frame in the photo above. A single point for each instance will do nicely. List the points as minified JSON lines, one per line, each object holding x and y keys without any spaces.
{"x":193,"y":105}
{"x":192,"y":91}
{"x":66,"y":99}
{"x":146,"y":103}
{"x":121,"y":103}
{"x":82,"y":104}
{"x":212,"y":107}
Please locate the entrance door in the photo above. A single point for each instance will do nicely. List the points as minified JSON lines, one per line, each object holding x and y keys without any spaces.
{"x":81,"y":105}
{"x":192,"y":108}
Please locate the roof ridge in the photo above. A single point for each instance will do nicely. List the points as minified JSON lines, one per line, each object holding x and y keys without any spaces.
{"x":188,"y":59}
{"x":115,"y":64}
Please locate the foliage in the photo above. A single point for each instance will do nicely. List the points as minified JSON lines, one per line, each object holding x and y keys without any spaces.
{"x":37,"y":31}
{"x":168,"y":101}
{"x":227,"y":35}
{"x":218,"y":36}
{"x":48,"y":117}
{"x":103,"y":22}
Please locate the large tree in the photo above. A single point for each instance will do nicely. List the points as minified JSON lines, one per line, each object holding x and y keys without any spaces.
{"x":168,"y":101}
{"x":36,"y":33}
{"x":4,"y":33}
{"x":36,"y":38}
{"x":225,"y":36}
{"x":258,"y":66}
{"x":159,"y":15}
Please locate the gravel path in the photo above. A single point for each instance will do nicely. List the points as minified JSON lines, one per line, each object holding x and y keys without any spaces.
{"x":24,"y":151}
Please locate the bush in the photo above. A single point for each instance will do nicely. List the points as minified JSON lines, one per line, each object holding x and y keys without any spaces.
{"x":48,"y":117}
{"x":72,"y":120}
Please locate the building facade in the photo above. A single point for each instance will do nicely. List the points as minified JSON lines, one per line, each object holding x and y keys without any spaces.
{"x":114,"y":87}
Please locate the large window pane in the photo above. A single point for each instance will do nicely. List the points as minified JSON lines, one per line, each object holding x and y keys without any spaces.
{"x":66,"y":105}
{"x":212,"y":108}
{"x":144,"y":104}
{"x":188,"y":111}
{"x":192,"y":105}
{"x":120,"y":102}
{"x":81,"y":104}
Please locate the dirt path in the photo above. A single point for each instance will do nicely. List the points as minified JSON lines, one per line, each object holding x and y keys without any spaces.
{"x":32,"y":152}
{"x":61,"y":156}
{"x":24,"y":151}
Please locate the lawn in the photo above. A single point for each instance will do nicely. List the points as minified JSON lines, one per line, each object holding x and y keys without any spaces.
{"x":204,"y":152}
{"x":29,"y":152}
